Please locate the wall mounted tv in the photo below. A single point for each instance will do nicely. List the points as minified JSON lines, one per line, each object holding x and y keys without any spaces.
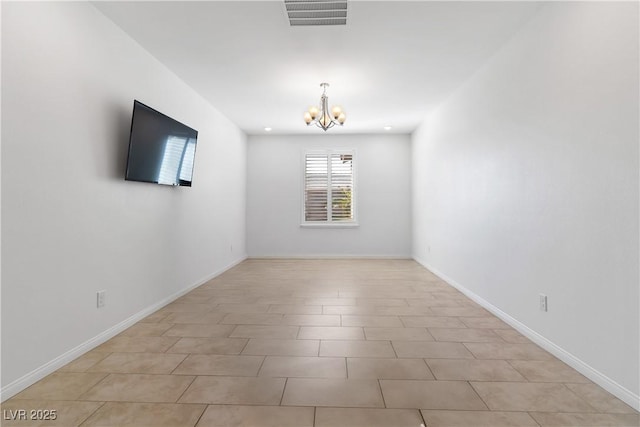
{"x":161,"y":149}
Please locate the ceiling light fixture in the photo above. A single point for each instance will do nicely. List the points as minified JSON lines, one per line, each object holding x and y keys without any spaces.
{"x":267,"y":129}
{"x":387,"y":127}
{"x":323,"y":117}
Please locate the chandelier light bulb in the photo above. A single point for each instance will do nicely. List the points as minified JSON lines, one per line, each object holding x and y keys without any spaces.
{"x":313,"y":112}
{"x":336,"y":111}
{"x":307,"y":117}
{"x":341,"y":118}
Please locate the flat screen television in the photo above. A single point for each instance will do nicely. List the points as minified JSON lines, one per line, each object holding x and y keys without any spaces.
{"x":161,"y":149}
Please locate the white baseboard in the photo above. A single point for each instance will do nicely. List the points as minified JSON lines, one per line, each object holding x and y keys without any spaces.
{"x":594,"y":375}
{"x":329,"y":256}
{"x":37,"y":374}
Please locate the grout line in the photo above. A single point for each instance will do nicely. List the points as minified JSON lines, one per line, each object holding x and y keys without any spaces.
{"x":577,"y":395}
{"x":394,"y":349}
{"x":181,"y":362}
{"x":402,"y":321}
{"x":232,"y":331}
{"x":478,"y":394}
{"x":90,"y":415}
{"x":534,"y":420}
{"x":430,"y":334}
{"x":381,"y":393}
{"x":244,"y":346}
{"x":264,"y":358}
{"x":186,"y":388}
{"x":206,"y":406}
{"x":429,"y":369}
{"x":517,"y":370}
{"x":91,"y":388}
{"x":422,"y":416}
{"x":471,"y":352}
{"x":286,"y":380}
{"x":502,"y":339}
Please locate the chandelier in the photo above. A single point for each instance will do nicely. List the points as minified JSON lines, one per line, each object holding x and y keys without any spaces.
{"x":322,"y":117}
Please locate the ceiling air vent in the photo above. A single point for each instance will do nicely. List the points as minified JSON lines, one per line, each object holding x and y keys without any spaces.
{"x":316,"y":12}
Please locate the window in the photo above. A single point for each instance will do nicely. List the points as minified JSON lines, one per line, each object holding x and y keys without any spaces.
{"x":329,"y":188}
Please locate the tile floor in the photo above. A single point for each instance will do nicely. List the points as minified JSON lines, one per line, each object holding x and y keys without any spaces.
{"x":321,"y":343}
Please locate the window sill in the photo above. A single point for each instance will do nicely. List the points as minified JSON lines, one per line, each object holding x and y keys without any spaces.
{"x":329,"y":225}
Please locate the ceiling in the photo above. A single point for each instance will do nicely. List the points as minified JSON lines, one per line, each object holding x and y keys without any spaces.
{"x":390,"y":65}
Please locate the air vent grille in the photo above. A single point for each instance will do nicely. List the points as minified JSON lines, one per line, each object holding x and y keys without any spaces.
{"x":318,"y":15}
{"x":316,"y":12}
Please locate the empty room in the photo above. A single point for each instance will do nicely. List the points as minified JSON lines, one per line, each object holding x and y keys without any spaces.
{"x":320,"y":213}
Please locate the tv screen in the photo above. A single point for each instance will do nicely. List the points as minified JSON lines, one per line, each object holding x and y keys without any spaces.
{"x":161,"y":149}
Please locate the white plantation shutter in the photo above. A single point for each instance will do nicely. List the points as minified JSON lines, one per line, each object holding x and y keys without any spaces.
{"x":341,"y":187}
{"x":328,"y":187}
{"x":316,"y":178}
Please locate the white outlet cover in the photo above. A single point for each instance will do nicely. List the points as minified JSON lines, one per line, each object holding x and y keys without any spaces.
{"x":543,"y":302}
{"x":101,"y":295}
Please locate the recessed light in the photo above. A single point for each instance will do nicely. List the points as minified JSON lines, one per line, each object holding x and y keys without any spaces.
{"x":267,"y":129}
{"x":387,"y":127}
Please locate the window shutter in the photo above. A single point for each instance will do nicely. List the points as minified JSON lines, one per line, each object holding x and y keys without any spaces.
{"x":316,"y":187}
{"x":328,"y":187}
{"x":341,"y":187}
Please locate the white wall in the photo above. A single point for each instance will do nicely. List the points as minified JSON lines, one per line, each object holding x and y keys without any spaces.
{"x":71,"y":225}
{"x":526,"y":182}
{"x":383,"y":196}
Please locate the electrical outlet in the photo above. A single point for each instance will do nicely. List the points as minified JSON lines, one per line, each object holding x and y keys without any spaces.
{"x":543,"y":302}
{"x":101,"y":298}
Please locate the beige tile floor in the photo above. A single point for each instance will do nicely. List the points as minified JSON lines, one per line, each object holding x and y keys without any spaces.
{"x":321,"y":343}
